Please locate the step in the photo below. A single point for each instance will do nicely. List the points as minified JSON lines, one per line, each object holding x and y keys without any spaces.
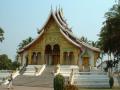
{"x":81,"y":79}
{"x":45,"y":79}
{"x":90,"y":76}
{"x":90,"y":82}
{"x":93,"y":86}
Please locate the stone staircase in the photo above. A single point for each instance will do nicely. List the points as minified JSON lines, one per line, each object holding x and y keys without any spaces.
{"x":66,"y":70}
{"x":91,"y":80}
{"x":44,"y":80}
{"x":30,"y":70}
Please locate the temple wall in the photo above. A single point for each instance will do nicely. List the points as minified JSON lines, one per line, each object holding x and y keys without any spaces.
{"x":96,"y":55}
{"x":20,"y":59}
{"x":91,"y":53}
{"x":53,"y":36}
{"x":25,"y":55}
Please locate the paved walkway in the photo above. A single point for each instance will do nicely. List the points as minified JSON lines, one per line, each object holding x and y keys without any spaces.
{"x":25,"y":88}
{"x":44,"y":88}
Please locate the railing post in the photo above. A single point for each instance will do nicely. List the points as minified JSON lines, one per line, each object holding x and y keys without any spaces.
{"x":57,"y":69}
{"x":83,"y":67}
{"x":71,"y":77}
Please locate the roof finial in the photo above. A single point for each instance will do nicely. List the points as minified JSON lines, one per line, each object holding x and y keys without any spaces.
{"x":59,"y":7}
{"x":51,"y":8}
{"x":61,"y":11}
{"x":38,"y":30}
{"x":56,"y":8}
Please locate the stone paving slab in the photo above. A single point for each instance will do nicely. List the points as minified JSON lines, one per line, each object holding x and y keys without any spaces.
{"x":25,"y":88}
{"x":44,"y":88}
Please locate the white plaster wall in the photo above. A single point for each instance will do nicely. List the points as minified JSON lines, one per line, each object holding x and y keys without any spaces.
{"x":91,"y":58}
{"x":80,"y":61}
{"x":24,"y":57}
{"x":80,"y":58}
{"x":19,"y":59}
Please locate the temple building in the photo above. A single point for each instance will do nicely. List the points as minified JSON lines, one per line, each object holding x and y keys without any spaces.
{"x":56,"y":44}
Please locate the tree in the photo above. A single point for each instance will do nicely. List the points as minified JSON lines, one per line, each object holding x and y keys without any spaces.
{"x":25,"y":42}
{"x":109,"y":37}
{"x":94,"y":44}
{"x":105,"y":40}
{"x":84,"y":39}
{"x":90,"y":42}
{"x":15,"y":65}
{"x":1,"y":34}
{"x":5,"y":62}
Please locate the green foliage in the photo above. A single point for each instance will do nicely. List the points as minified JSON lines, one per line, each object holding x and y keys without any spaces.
{"x":106,"y":69}
{"x":15,"y":65}
{"x":84,"y":39}
{"x":25,"y":42}
{"x":7,"y":64}
{"x":59,"y":82}
{"x":109,"y":37}
{"x":111,"y":82}
{"x":113,"y":12}
{"x":90,"y":42}
{"x":1,"y":34}
{"x":70,"y":87}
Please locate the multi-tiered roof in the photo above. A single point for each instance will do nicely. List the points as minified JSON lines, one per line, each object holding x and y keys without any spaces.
{"x":65,"y":31}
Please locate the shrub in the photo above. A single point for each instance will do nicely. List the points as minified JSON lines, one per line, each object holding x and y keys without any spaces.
{"x":111,"y":82}
{"x":106,"y":69}
{"x":70,"y":87}
{"x":59,"y":82}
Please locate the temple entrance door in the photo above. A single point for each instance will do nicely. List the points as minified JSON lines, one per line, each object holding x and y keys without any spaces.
{"x":85,"y":61}
{"x":56,"y":55}
{"x":86,"y":64}
{"x":48,"y":55}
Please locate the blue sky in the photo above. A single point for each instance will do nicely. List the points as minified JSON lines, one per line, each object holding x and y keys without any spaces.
{"x":21,"y":18}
